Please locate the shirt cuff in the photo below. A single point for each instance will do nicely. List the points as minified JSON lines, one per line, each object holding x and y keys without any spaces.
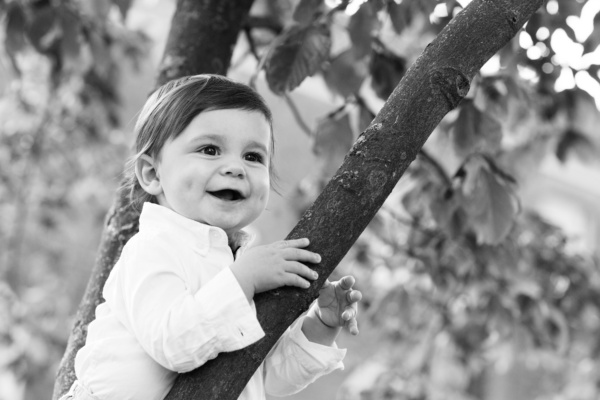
{"x":237,"y":324}
{"x":314,"y":357}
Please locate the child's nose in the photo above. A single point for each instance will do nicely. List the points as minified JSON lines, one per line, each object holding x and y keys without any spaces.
{"x":234,"y":169}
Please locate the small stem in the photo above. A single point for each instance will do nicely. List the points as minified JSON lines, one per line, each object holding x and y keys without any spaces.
{"x":251,"y":44}
{"x":362,"y":103}
{"x":296,"y":113}
{"x":406,"y":221}
{"x":436,"y":166}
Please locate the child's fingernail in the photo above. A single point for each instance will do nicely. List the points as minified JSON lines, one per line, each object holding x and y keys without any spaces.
{"x":315,"y":275}
{"x":318,"y":258}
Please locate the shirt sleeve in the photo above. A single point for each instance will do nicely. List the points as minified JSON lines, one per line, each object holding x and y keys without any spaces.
{"x":295,"y":362}
{"x":179,"y":329}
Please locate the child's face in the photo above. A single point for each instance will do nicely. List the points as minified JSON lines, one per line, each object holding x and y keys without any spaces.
{"x":216,"y":171}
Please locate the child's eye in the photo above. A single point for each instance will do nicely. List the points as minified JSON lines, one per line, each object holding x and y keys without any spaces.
{"x":209,"y":150}
{"x":254,"y":157}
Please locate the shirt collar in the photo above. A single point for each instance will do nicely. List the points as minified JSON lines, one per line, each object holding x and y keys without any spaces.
{"x":196,"y":234}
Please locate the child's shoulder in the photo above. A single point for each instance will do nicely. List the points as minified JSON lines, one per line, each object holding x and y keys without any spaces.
{"x":148,"y":241}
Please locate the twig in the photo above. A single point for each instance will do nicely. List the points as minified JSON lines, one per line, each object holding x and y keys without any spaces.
{"x":362,"y":103}
{"x":296,"y":113}
{"x":340,"y":7}
{"x":251,"y":43}
{"x":436,"y":166}
{"x":409,"y":222}
{"x":261,"y":63}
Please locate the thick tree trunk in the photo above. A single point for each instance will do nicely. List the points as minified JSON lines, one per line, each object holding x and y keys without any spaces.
{"x":201,"y":40}
{"x":202,"y":37}
{"x":433,"y":86}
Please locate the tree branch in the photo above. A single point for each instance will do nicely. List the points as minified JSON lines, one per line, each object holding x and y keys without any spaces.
{"x":201,"y":39}
{"x":433,"y":86}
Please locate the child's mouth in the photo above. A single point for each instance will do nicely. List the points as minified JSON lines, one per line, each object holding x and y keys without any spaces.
{"x":227,"y":194}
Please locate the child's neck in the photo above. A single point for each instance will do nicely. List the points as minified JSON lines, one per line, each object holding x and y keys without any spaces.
{"x":233,"y":241}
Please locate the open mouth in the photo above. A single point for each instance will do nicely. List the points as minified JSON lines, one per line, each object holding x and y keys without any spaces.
{"x":227,"y":194}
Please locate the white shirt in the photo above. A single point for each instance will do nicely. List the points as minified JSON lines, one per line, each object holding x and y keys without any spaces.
{"x":172,"y":303}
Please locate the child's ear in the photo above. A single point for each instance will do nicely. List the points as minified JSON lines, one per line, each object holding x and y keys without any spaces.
{"x":147,"y":175}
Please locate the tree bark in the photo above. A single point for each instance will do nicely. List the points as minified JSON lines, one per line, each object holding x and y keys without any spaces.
{"x":201,"y":40}
{"x":432,"y":87}
{"x":202,"y":37}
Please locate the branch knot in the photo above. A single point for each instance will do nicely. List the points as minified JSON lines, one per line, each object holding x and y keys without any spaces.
{"x":452,"y":83}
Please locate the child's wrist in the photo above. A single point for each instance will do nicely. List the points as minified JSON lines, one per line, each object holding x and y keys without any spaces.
{"x":317,"y":314}
{"x":245,"y":284}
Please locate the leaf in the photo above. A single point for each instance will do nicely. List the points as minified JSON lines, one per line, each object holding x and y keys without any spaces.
{"x":489,"y":201}
{"x":345,"y":73}
{"x":98,"y":9}
{"x":592,"y":42}
{"x":415,"y":200}
{"x":492,"y":96}
{"x":386,"y":71}
{"x":44,"y":31}
{"x":443,"y":205}
{"x":333,"y":138}
{"x":70,"y":28}
{"x":361,"y":27}
{"x":402,"y":14}
{"x":451,"y":5}
{"x":14,"y":41}
{"x":365,"y":117}
{"x":573,"y":142}
{"x":306,"y":10}
{"x":124,"y":6}
{"x":475,"y":131}
{"x":299,"y":53}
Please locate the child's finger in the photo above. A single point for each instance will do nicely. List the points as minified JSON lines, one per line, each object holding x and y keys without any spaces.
{"x":353,"y":296}
{"x":296,"y":243}
{"x":347,"y":282}
{"x":296,"y":280}
{"x":301,"y":255}
{"x":349,"y":313}
{"x":297,"y":268}
{"x":353,"y":326}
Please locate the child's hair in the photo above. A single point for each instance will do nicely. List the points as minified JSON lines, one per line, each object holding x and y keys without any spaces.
{"x":171,"y":108}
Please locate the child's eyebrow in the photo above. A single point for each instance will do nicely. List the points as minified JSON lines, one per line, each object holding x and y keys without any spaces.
{"x":259,"y":145}
{"x":208,"y":137}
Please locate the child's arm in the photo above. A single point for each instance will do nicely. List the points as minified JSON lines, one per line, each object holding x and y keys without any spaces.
{"x":307,"y":350}
{"x":179,"y":328}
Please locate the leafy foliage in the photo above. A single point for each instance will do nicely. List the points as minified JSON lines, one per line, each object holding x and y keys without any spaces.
{"x":454,"y":271}
{"x":60,"y":148}
{"x":462,"y":263}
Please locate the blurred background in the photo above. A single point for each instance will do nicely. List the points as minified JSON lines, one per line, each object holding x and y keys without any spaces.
{"x":480,"y":273}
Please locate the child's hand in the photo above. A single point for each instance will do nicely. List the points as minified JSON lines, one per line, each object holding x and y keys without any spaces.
{"x":278,"y":264}
{"x":337,"y":304}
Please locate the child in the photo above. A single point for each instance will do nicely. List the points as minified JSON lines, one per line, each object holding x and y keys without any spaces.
{"x":182,"y":289}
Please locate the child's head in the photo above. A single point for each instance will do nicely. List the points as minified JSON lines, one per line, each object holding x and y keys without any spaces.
{"x":210,"y":129}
